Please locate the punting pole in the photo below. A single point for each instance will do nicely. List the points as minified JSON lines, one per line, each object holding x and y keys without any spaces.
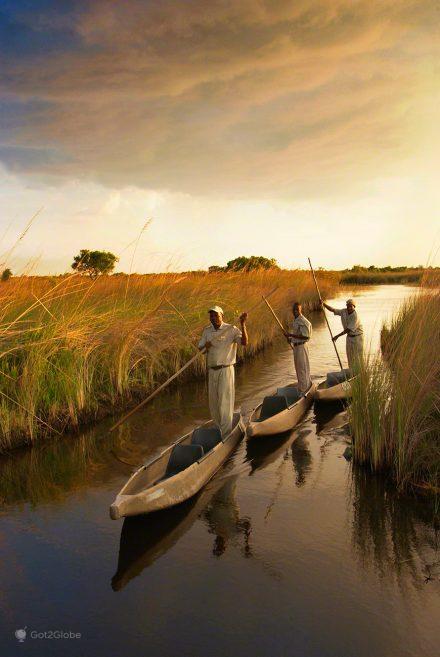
{"x":276,"y":319}
{"x":326,"y":319}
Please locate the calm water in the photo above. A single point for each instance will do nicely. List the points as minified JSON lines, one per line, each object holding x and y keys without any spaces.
{"x":287,"y":551}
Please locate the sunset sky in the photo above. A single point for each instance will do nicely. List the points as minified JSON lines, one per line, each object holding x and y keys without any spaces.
{"x":278,"y":128}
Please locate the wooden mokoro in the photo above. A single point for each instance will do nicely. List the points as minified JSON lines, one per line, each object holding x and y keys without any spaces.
{"x":334,"y":390}
{"x":179,"y":472}
{"x":280,"y":412}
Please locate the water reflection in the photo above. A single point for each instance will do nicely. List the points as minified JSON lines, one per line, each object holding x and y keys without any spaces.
{"x":222,"y":516}
{"x":261,"y":453}
{"x":144,"y":539}
{"x":329,"y":417}
{"x":48,"y":473}
{"x":398,"y":537}
{"x":301,"y":457}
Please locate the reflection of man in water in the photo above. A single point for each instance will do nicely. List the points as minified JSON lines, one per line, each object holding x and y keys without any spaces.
{"x":302,"y":460}
{"x":223,"y":518}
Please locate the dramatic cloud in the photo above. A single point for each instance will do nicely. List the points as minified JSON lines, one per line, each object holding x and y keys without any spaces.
{"x":282,"y":99}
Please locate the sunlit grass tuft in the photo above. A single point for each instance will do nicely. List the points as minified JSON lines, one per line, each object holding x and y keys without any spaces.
{"x":395,"y":411}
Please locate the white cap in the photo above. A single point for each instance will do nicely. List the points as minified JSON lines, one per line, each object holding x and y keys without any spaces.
{"x":216,"y":309}
{"x":351,"y":301}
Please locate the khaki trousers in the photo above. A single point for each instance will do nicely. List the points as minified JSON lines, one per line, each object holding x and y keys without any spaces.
{"x":302,"y":366}
{"x":221,"y":392}
{"x":355,"y":351}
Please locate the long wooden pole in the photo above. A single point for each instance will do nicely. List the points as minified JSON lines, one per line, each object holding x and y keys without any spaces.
{"x":168,"y":381}
{"x":276,"y":319}
{"x":153,"y":394}
{"x":326,"y":319}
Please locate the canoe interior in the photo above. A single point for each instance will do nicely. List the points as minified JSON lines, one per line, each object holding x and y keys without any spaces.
{"x":284,"y":398}
{"x":191,"y":448}
{"x":334,"y":379}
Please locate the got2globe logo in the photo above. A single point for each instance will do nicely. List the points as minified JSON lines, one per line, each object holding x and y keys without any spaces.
{"x":20,"y":635}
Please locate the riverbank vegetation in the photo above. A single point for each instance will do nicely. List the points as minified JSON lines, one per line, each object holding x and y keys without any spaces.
{"x":74,"y":349}
{"x":395,"y":411}
{"x":359,"y":275}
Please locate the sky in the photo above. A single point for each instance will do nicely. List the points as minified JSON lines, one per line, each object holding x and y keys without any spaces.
{"x":283,"y":128}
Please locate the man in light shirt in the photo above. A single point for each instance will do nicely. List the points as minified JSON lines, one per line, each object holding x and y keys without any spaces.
{"x":220,"y":341}
{"x":354,"y":332}
{"x":300,"y":336}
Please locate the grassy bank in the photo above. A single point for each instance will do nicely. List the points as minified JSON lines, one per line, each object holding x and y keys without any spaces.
{"x":395,"y":412}
{"x":408,"y":277}
{"x":73,"y":349}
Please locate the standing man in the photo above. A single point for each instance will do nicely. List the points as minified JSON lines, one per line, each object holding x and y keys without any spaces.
{"x":220,"y":341}
{"x":354,"y":332}
{"x":301,"y":334}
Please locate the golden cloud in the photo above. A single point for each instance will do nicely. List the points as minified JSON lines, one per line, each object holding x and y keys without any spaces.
{"x":252,"y":97}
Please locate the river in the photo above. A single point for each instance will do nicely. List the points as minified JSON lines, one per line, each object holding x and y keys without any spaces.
{"x":288,"y":551}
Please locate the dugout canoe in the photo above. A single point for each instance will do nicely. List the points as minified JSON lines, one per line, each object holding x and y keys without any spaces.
{"x":179,"y":472}
{"x":280,"y":412}
{"x":336,"y":387}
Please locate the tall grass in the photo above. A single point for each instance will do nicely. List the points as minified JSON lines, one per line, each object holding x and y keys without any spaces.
{"x":395,"y":411}
{"x":73,"y":349}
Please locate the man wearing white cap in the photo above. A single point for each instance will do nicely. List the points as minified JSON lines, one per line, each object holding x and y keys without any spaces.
{"x":220,"y":341}
{"x":300,"y":336}
{"x":353,"y":330}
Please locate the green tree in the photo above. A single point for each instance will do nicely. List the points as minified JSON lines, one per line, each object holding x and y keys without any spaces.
{"x":94,"y":263}
{"x":243,"y":263}
{"x":6,"y":274}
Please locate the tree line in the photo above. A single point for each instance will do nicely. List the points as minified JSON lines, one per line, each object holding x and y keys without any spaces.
{"x":96,"y":263}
